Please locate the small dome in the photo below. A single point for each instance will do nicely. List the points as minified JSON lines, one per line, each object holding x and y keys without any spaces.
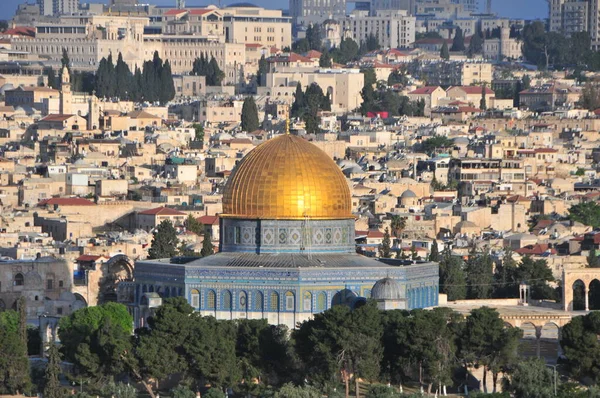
{"x":386,"y":289}
{"x":408,"y":194}
{"x":466,"y":224}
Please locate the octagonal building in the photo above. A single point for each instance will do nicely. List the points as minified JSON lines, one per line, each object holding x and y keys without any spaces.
{"x":287,"y":247}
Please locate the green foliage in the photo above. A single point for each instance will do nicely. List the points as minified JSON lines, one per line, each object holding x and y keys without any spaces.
{"x":427,"y":35}
{"x":593,"y":261}
{"x":348,"y":51}
{"x":207,"y":246}
{"x":14,"y":365}
{"x":52,"y":387}
{"x":250,"y":121}
{"x":182,"y":392}
{"x":445,"y":52}
{"x":436,"y":143}
{"x":380,"y":391}
{"x":480,"y":275}
{"x":119,"y":390}
{"x":52,"y":80}
{"x":210,"y":69}
{"x":214,"y":393}
{"x":164,"y":242}
{"x":398,"y":76}
{"x":3,"y":25}
{"x":325,"y":60}
{"x":263,"y":69}
{"x":385,"y":247}
{"x":453,"y":279}
{"x":531,"y":378}
{"x":341,"y":341}
{"x":153,"y":83}
{"x":307,"y":106}
{"x":476,"y":44}
{"x":590,"y":97}
{"x":458,"y":43}
{"x":97,"y":339}
{"x":482,"y":102}
{"x":580,"y":171}
{"x":198,"y":132}
{"x":290,"y":391}
{"x":313,"y":36}
{"x":581,"y":347}
{"x":397,"y":224}
{"x":370,"y":44}
{"x":434,"y":254}
{"x":193,"y":225}
{"x":587,"y":213}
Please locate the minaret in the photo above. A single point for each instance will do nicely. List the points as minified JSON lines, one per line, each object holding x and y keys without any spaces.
{"x":66,"y":96}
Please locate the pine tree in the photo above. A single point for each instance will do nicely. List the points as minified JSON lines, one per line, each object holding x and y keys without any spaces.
{"x":207,"y":247}
{"x":434,"y":254}
{"x":325,"y":60}
{"x":476,"y":44}
{"x":445,"y":53}
{"x":164,"y":242}
{"x":414,"y":255}
{"x":52,"y":388}
{"x":215,"y":74}
{"x":193,"y":225}
{"x":250,"y":121}
{"x":385,"y":248}
{"x":593,"y":261}
{"x":65,"y":61}
{"x":482,"y":103}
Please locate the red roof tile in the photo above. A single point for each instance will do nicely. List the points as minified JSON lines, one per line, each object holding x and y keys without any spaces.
{"x":208,"y":220}
{"x":66,"y":202}
{"x":425,"y":90}
{"x":162,"y":211}
{"x":87,"y":257}
{"x":171,"y":13}
{"x":56,"y":118}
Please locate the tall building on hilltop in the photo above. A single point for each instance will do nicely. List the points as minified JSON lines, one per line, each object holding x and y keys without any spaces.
{"x":287,"y":247}
{"x":58,"y":7}
{"x":571,"y":16}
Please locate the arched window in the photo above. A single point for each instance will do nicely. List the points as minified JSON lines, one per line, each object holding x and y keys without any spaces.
{"x":321,"y":301}
{"x":274,"y":301}
{"x":211,"y":300}
{"x":258,"y":301}
{"x":307,"y":305}
{"x":289,"y":301}
{"x":195,"y":299}
{"x":243,"y":301}
{"x":19,"y":280}
{"x":227,"y":300}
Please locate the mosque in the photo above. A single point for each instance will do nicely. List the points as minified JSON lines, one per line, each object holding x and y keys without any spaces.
{"x":287,"y":248}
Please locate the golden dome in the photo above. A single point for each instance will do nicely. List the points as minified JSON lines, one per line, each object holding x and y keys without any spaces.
{"x":287,"y":177}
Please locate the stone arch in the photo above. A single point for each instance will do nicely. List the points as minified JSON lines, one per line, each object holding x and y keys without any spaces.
{"x":243,"y":301}
{"x":79,"y":297}
{"x":550,"y":331}
{"x":594,"y":294}
{"x":19,"y":279}
{"x":578,"y":293}
{"x":344,"y":297}
{"x":118,"y":268}
{"x":529,"y":330}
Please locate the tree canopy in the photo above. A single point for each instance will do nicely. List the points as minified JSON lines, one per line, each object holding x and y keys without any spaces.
{"x":250,"y":120}
{"x":587,"y":213}
{"x":164,"y":241}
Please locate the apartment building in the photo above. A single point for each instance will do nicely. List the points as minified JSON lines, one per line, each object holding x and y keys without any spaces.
{"x":393,"y":28}
{"x":57,"y":7}
{"x":250,"y":24}
{"x":571,"y":16}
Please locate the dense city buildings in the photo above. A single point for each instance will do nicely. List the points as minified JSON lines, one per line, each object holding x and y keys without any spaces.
{"x":244,"y":185}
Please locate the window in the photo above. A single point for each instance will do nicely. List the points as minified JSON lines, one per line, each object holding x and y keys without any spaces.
{"x":274,"y":301}
{"x":195,"y":299}
{"x":258,"y":301}
{"x":321,"y":301}
{"x":289,"y":301}
{"x":307,"y":301}
{"x":59,"y":311}
{"x":227,"y":300}
{"x":211,"y":300}
{"x":61,"y":284}
{"x":19,"y":280}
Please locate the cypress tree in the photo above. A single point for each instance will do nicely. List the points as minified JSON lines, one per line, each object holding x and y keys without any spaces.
{"x":164,"y":242}
{"x":52,"y":79}
{"x":167,"y":92}
{"x":434,"y":254}
{"x":123,"y":79}
{"x":263,"y":68}
{"x":385,"y":248}
{"x":444,"y":52}
{"x":298,"y":104}
{"x":215,"y":73}
{"x":482,"y":103}
{"x":207,"y":247}
{"x":250,"y":121}
{"x":458,"y":44}
{"x":111,"y":88}
{"x":52,"y":388}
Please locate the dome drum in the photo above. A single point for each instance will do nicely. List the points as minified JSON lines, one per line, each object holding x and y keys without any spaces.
{"x":287,"y":236}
